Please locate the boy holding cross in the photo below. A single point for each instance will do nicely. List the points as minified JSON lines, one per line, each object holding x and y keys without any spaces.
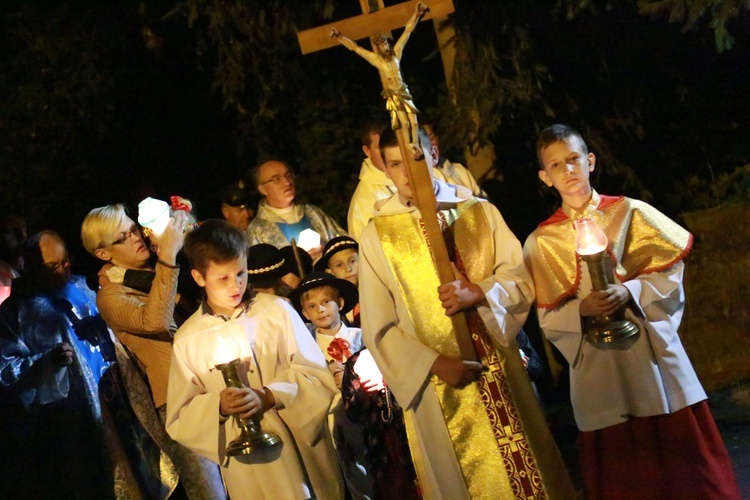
{"x":463,"y":448}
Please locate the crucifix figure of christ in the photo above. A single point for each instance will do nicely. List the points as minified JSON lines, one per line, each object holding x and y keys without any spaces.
{"x":386,"y":58}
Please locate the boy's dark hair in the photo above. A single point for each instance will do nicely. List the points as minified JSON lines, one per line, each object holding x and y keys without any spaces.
{"x":388,"y":139}
{"x":374,"y":124}
{"x":556,"y":133}
{"x":334,"y":293}
{"x":215,"y":240}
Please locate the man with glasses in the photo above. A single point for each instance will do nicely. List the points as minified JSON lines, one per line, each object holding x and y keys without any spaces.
{"x":57,"y":385}
{"x":279,"y":219}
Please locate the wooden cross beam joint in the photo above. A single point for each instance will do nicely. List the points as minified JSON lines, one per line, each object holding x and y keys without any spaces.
{"x":366,"y":25}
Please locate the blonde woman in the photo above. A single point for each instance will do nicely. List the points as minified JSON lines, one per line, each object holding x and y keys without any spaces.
{"x":141,"y":316}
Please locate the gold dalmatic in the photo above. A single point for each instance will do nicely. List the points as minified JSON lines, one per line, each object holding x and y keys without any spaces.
{"x":501,"y":441}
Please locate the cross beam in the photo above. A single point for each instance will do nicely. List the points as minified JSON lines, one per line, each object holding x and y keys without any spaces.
{"x":365,"y":25}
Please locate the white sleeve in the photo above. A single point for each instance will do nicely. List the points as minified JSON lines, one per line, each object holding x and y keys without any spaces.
{"x":509,"y":290}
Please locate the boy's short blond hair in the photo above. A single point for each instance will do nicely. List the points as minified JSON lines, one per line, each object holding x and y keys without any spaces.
{"x":99,"y":226}
{"x":333,"y":294}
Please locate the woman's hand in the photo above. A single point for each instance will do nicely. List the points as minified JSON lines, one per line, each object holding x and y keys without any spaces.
{"x":169,"y":243}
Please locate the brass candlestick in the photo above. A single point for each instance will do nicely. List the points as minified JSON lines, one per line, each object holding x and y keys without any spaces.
{"x":252,"y":437}
{"x":605,"y":329}
{"x":591,"y":245}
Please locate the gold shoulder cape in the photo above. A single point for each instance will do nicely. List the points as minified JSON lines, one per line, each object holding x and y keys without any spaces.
{"x":499,"y":435}
{"x":642,"y":240}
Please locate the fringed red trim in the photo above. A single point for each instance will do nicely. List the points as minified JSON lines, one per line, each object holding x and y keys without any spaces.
{"x":567,"y":294}
{"x":657,"y":269}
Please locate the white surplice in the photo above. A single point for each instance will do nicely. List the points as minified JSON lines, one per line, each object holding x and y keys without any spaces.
{"x":651,"y":375}
{"x":277,"y":352}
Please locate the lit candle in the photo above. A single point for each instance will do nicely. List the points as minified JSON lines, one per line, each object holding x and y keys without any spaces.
{"x":226,"y":347}
{"x":153,"y":214}
{"x":590,"y":239}
{"x":308,"y":239}
{"x":367,"y":369}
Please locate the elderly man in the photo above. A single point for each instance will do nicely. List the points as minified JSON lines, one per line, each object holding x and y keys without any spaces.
{"x":279,"y":219}
{"x":64,"y":410}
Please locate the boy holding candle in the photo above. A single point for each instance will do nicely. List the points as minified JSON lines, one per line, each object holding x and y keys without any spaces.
{"x":646,"y":430}
{"x":286,"y":381}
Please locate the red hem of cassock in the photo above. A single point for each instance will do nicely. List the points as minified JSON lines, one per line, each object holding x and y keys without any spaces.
{"x":674,"y":456}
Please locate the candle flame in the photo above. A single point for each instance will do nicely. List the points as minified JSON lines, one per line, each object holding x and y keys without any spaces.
{"x":590,"y":239}
{"x":227,"y":349}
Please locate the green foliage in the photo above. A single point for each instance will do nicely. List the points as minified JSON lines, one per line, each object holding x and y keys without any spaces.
{"x":497,"y":81}
{"x":691,"y":14}
{"x":697,"y":193}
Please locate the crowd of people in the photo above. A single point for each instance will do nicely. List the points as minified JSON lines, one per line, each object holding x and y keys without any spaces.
{"x":344,"y":351}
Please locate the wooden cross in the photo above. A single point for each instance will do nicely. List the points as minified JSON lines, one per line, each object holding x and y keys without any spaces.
{"x":368,"y":24}
{"x":373,"y":23}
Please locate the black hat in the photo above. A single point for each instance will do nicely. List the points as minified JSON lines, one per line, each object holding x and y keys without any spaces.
{"x":265,"y":262}
{"x":236,"y":195}
{"x":334,"y":246}
{"x":346,"y":289}
{"x":307,"y":261}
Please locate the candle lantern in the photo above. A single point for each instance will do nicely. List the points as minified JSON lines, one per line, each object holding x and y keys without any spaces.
{"x":154,"y":215}
{"x":308,"y":239}
{"x":591,"y":245}
{"x":366,"y":368}
{"x":252,"y":437}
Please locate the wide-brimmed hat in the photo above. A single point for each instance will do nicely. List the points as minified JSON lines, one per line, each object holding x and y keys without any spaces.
{"x":334,"y":246}
{"x":304,"y":257}
{"x":265,"y":262}
{"x":346,"y":289}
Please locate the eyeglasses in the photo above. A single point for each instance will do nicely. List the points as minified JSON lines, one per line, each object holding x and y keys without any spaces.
{"x":56,"y":266}
{"x":289,"y":176}
{"x":125,"y":235}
